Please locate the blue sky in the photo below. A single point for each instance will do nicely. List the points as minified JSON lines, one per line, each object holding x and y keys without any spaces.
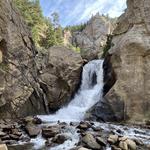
{"x":74,"y":12}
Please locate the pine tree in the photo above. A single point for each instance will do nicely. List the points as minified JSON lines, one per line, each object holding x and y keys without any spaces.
{"x":59,"y":35}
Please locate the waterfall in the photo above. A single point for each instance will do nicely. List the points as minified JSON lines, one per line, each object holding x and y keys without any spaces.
{"x":90,"y":93}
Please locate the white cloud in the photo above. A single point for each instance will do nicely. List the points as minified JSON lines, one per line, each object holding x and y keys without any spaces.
{"x":118,"y":8}
{"x":77,"y":11}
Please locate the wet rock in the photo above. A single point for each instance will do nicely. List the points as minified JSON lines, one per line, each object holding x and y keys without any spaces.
{"x":37,"y":120}
{"x":60,"y":138}
{"x":24,"y":138}
{"x":119,"y":131}
{"x":73,"y":123}
{"x":16,"y":132}
{"x":113,"y":139}
{"x":124,"y":138}
{"x":83,"y":148}
{"x":3,"y":147}
{"x":50,"y":132}
{"x":90,"y":142}
{"x":100,"y":141}
{"x":32,"y":130}
{"x":131,"y":144}
{"x":7,"y":137}
{"x":48,"y":143}
{"x":115,"y":147}
{"x":138,"y":142}
{"x":97,"y":128}
{"x":26,"y":146}
{"x":14,"y":137}
{"x":6,"y":127}
{"x":2,"y":134}
{"x":63,"y":125}
{"x":123,"y":145}
{"x":84,"y":125}
{"x":147,"y":122}
{"x":28,"y":119}
{"x":10,"y":142}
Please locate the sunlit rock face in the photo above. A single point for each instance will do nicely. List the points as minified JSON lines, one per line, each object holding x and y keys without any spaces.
{"x":17,"y":66}
{"x":24,"y":81}
{"x":93,"y":38}
{"x":131,"y":62}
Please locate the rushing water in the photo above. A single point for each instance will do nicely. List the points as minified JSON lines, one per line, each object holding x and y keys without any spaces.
{"x":89,"y":94}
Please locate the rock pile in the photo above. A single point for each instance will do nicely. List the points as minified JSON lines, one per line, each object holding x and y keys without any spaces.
{"x":91,"y":137}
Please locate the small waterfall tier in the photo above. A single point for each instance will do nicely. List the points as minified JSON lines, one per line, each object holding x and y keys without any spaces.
{"x":90,"y":93}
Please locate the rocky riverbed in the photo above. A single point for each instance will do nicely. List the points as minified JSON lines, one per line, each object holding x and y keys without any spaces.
{"x":31,"y":133}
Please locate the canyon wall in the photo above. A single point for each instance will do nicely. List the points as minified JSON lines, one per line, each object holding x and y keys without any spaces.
{"x":93,"y":38}
{"x":27,"y":75}
{"x":130,"y":59}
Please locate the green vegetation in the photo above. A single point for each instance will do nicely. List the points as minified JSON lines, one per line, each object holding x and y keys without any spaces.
{"x":45,"y":32}
{"x":75,"y":28}
{"x":107,"y":46}
{"x":76,"y":49}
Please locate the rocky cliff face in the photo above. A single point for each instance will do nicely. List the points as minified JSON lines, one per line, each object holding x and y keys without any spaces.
{"x":24,"y":85}
{"x":60,"y":75}
{"x":17,"y":66}
{"x":93,"y":38}
{"x":130,"y":58}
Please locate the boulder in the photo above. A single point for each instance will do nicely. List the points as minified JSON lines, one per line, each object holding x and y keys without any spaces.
{"x":32,"y":130}
{"x":115,"y":147}
{"x":49,"y":132}
{"x":23,"y":146}
{"x":131,"y":144}
{"x":113,"y":139}
{"x":2,"y":134}
{"x":101,"y":141}
{"x":84,"y":125}
{"x":14,"y":137}
{"x":90,"y":142}
{"x":60,"y":75}
{"x":123,"y":145}
{"x":60,"y":138}
{"x":3,"y":147}
{"x":124,"y":138}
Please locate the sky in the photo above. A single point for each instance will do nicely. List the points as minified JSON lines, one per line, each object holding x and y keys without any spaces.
{"x":73,"y":12}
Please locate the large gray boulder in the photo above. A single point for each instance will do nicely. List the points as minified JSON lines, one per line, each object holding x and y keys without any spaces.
{"x":60,"y":76}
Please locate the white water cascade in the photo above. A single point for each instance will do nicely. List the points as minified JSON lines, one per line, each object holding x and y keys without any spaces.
{"x":89,"y":94}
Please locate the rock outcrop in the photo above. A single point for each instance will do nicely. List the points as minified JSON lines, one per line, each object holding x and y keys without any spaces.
{"x":130,"y":58}
{"x":93,"y":38}
{"x":25,"y":88}
{"x":60,"y":75}
{"x":17,"y":67}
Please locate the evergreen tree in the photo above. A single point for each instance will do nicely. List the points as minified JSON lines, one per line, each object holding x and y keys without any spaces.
{"x":59,"y":35}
